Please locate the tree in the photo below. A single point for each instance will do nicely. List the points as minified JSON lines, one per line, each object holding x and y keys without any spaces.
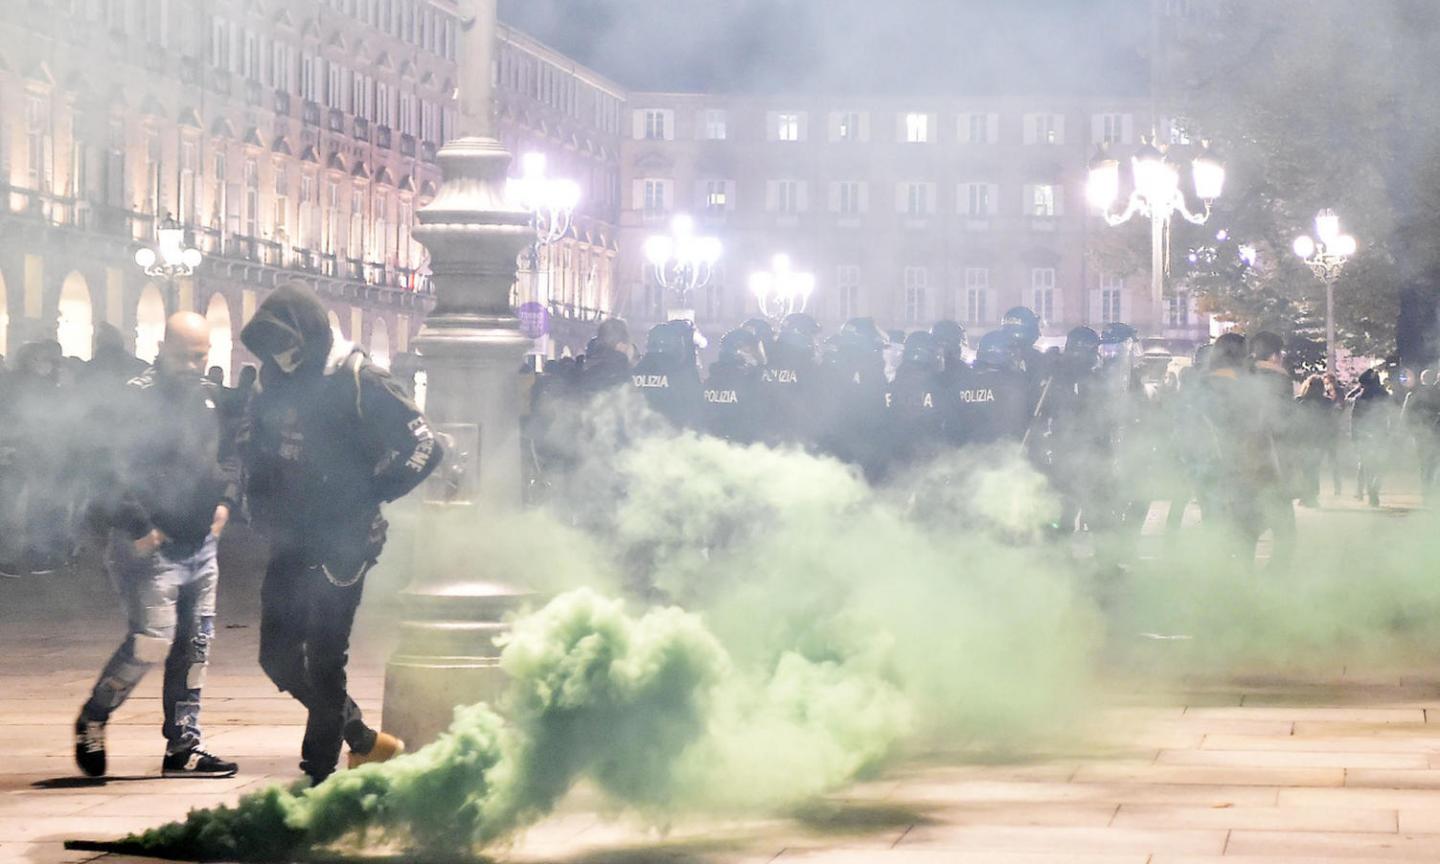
{"x":1314,"y":104}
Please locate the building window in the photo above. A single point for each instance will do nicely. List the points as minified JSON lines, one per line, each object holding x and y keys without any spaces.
{"x":715,"y":125}
{"x":355,"y":242}
{"x":975,"y":199}
{"x":1112,"y":129}
{"x":189,"y":205}
{"x":847,"y":286}
{"x":977,"y":294}
{"x":917,"y":128}
{"x":1112,"y":290}
{"x":1041,"y":200}
{"x":717,"y":198}
{"x":1047,"y":129}
{"x":787,"y":126}
{"x":847,"y":198}
{"x":916,"y":280}
{"x":252,"y":198}
{"x":977,"y":128}
{"x":37,"y":135}
{"x":848,"y":127}
{"x":1042,"y":284}
{"x":655,"y":126}
{"x":787,"y":196}
{"x":282,"y":200}
{"x":656,"y":196}
{"x":917,"y":199}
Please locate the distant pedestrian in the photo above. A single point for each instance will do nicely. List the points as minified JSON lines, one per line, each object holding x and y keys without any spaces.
{"x":171,"y":484}
{"x":1370,"y":431}
{"x":1422,"y":419}
{"x":1314,"y":431}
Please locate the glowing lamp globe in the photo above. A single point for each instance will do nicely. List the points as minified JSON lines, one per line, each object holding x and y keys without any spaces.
{"x":191,"y":258}
{"x":1327,"y":226}
{"x":1209,"y":176}
{"x":1103,"y":186}
{"x":658,"y":250}
{"x":1345,"y":245}
{"x":1304,"y":247}
{"x":145,"y":257}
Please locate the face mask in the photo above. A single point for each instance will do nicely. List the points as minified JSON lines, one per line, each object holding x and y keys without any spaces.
{"x":288,"y":361}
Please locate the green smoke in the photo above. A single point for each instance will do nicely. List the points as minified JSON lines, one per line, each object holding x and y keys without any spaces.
{"x":826,"y":625}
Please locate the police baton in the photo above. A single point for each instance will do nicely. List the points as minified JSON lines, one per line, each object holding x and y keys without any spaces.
{"x":1039,"y":406}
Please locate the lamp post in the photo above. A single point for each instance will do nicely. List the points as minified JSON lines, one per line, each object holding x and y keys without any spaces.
{"x":458,"y":596}
{"x":1155,"y":194}
{"x":683,"y":263}
{"x":1326,"y":258}
{"x":171,"y":258}
{"x":781,"y":290}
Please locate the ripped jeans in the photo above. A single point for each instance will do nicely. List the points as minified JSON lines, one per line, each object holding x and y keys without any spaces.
{"x":169,"y":599}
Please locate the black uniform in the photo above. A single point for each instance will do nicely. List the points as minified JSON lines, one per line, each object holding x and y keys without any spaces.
{"x":852,"y":394}
{"x":985,"y":404}
{"x":671,"y":387}
{"x":791,"y":387}
{"x":913,"y":404}
{"x":323,"y":446}
{"x":733,"y":409}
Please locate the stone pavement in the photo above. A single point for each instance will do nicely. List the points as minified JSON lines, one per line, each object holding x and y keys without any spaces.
{"x":1274,"y":771}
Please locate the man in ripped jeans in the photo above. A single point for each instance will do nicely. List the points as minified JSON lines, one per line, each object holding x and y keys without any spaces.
{"x":172,"y":478}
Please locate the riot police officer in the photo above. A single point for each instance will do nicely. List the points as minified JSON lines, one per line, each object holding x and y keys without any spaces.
{"x":763,"y":331}
{"x":950,"y":339}
{"x":607,"y":363}
{"x":852,"y":395}
{"x":668,"y":377}
{"x":791,"y":380}
{"x":912,"y":402}
{"x":733,"y":409}
{"x":990,"y":401}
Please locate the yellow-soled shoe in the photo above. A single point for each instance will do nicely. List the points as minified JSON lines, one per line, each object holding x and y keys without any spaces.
{"x":386,"y":747}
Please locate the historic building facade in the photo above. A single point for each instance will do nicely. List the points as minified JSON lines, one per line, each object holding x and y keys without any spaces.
{"x":290,"y":139}
{"x":905,"y":210}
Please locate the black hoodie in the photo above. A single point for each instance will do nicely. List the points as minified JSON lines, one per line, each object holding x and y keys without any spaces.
{"x":324,"y":445}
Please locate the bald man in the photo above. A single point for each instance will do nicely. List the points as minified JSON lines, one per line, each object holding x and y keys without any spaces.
{"x":172,"y":478}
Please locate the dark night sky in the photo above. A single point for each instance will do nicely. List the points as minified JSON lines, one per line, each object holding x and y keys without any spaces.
{"x":850,"y":46}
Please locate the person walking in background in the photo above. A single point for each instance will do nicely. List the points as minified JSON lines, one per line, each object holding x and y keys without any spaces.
{"x":1422,"y":418}
{"x":36,"y":497}
{"x":1334,"y":431}
{"x":172,"y":480}
{"x":1314,"y":434}
{"x":1370,"y":416}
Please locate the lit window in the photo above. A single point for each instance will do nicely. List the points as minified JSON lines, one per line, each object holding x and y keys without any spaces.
{"x":848,"y":127}
{"x":1042,"y":200}
{"x":917,"y":128}
{"x":787,"y":127}
{"x":716,"y":196}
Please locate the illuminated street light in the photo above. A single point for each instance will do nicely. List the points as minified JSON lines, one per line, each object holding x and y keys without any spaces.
{"x":1156,"y":195}
{"x":1326,"y":258}
{"x":173,"y":257}
{"x":682,"y":261}
{"x":781,"y":290}
{"x":550,"y":201}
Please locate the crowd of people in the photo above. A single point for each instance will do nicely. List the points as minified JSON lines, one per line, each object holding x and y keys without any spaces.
{"x":1233,"y":429}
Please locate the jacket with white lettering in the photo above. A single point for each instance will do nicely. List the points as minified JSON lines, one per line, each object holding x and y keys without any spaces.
{"x":733,"y":409}
{"x":790,"y":387}
{"x":671,"y":387}
{"x":915,"y":413}
{"x":986,"y":404}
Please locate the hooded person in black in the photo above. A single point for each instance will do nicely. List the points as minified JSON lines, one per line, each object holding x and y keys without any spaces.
{"x":328,"y":437}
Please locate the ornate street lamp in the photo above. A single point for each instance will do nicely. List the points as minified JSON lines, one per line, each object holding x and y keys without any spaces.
{"x":550,"y":201}
{"x":1326,"y":258}
{"x":781,"y":290}
{"x":1156,"y":195}
{"x":171,"y":258}
{"x":682,"y":263}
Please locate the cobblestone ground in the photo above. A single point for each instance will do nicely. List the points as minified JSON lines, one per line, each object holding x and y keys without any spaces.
{"x":1275,"y":771}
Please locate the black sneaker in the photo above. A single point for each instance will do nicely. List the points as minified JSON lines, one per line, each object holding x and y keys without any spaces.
{"x":197,"y":763}
{"x":90,"y":746}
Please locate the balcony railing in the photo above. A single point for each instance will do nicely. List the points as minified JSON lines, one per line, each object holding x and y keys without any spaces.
{"x":573,"y":312}
{"x":382,"y":137}
{"x":362,"y":128}
{"x":407,"y":145}
{"x":310,"y":113}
